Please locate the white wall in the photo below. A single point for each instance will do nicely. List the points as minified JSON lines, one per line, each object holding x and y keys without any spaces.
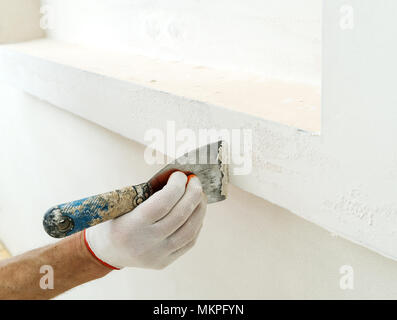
{"x":275,"y":38}
{"x":343,"y":179}
{"x":248,"y":247}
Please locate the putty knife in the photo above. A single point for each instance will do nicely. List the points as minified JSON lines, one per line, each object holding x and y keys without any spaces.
{"x":208,"y":163}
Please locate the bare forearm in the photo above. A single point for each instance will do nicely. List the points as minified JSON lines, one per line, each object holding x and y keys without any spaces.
{"x":71,"y":262}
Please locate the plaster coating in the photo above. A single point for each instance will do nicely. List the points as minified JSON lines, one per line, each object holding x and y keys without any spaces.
{"x":276,"y":255}
{"x":343,"y":180}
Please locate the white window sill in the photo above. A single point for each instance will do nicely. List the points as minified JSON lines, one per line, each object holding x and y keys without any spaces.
{"x":288,"y":103}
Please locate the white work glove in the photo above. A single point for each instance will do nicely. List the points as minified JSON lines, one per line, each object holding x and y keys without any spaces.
{"x":155,"y":233}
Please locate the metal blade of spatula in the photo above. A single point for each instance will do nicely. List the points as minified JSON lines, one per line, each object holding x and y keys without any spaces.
{"x":209,"y":163}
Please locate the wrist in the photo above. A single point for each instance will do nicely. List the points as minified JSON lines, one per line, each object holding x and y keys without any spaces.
{"x":94,"y":267}
{"x":94,"y":255}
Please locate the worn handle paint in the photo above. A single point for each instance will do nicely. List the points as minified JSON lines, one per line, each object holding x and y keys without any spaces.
{"x":68,"y":218}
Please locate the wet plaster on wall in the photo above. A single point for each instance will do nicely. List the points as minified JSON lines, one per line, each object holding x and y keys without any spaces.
{"x":343,"y":180}
{"x":311,"y":175}
{"x":307,"y":258}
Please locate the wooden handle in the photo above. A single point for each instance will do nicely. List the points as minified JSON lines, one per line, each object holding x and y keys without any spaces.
{"x":68,"y":218}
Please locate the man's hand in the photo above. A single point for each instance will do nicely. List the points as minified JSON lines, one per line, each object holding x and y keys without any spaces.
{"x":152,"y":236}
{"x":157,"y":232}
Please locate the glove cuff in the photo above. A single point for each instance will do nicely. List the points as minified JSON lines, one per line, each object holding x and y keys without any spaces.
{"x":94,"y":255}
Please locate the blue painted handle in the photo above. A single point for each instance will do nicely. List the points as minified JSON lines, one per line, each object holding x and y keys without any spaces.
{"x":68,"y":218}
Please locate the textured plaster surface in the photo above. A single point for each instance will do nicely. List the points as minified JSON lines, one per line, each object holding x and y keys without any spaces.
{"x":248,"y":248}
{"x":343,"y":180}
